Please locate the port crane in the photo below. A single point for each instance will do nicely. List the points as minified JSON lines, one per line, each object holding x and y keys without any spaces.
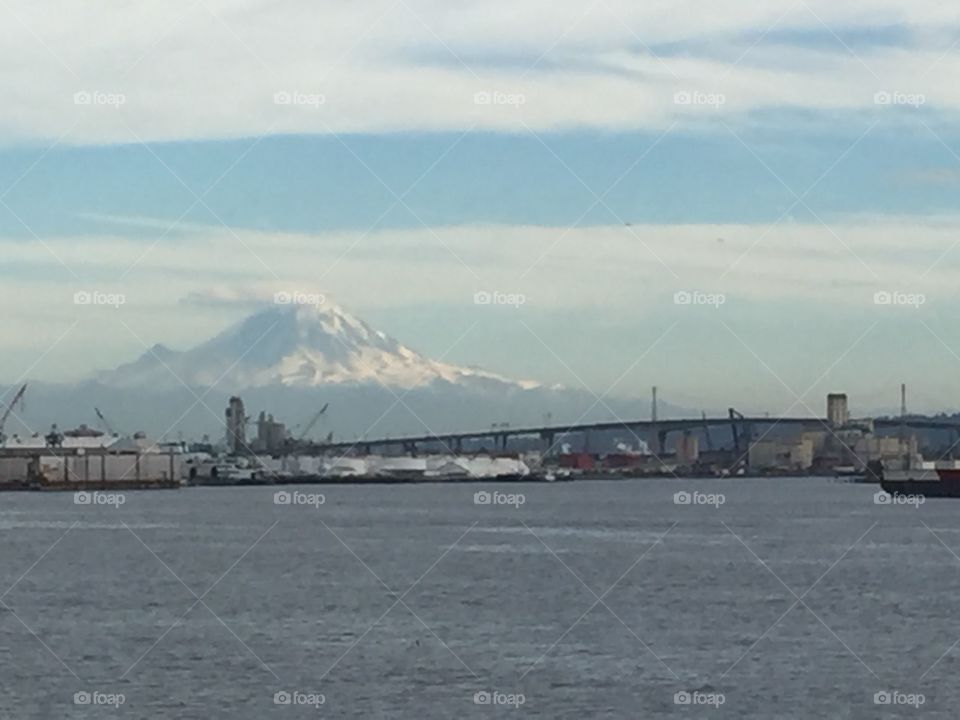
{"x":706,"y":431}
{"x":741,"y":432}
{"x":313,"y":422}
{"x":18,"y":398}
{"x":106,"y":424}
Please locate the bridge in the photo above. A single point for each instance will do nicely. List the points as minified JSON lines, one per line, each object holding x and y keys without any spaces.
{"x":501,"y":435}
{"x":742,"y":429}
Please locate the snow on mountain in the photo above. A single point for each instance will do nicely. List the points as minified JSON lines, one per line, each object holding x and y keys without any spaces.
{"x":298,"y":346}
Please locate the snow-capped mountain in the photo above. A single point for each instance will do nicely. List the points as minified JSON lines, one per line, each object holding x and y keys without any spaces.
{"x":298,"y":346}
{"x":291,"y":360}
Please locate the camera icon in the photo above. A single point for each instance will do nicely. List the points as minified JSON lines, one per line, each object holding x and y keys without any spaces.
{"x":282,"y":697}
{"x":82,"y":298}
{"x":882,"y":298}
{"x":482,"y":498}
{"x":82,"y":98}
{"x":482,"y":298}
{"x":882,"y":698}
{"x":882,"y":98}
{"x":482,"y":98}
{"x":282,"y":497}
{"x":282,"y":298}
{"x":682,"y":98}
{"x":681,"y":697}
{"x":82,"y":498}
{"x":481,"y":698}
{"x":282,"y":98}
{"x":81,"y":698}
{"x":881,"y":498}
{"x":682,"y":297}
{"x":681,"y":498}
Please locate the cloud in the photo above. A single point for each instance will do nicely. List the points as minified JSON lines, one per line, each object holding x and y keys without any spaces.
{"x":162,"y":71}
{"x":227,"y":296}
{"x":799,"y":293}
{"x":933,"y":176}
{"x":610,"y":266}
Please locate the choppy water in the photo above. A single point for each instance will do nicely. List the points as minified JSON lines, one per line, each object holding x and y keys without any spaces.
{"x":793,"y":599}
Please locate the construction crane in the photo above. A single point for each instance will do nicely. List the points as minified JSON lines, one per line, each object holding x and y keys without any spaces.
{"x":737,"y":436}
{"x":106,"y":424}
{"x":706,"y":431}
{"x":313,"y":422}
{"x":18,"y":398}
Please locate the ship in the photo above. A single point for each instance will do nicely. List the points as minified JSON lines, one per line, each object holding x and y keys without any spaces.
{"x":922,"y":478}
{"x":225,"y":471}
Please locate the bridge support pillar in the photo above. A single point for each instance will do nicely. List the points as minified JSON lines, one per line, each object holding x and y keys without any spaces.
{"x":661,"y":442}
{"x":547,"y":439}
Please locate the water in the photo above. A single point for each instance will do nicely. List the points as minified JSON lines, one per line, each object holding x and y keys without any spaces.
{"x":495,"y":598}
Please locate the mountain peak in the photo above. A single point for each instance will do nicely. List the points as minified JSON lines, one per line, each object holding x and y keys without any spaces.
{"x":298,"y":345}
{"x":326,"y":317}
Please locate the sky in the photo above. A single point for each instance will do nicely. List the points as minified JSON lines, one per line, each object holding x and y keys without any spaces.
{"x":746,"y":206}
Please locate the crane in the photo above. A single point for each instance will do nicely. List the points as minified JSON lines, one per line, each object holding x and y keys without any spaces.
{"x":706,"y":431}
{"x":18,"y":398}
{"x":744,"y":431}
{"x":313,"y":421}
{"x":104,"y":421}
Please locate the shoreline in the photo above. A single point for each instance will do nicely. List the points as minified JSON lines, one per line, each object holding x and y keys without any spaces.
{"x":537,"y":478}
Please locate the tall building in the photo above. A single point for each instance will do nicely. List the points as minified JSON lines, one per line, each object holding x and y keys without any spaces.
{"x":271,"y":435}
{"x":837,"y":413}
{"x":236,"y":426}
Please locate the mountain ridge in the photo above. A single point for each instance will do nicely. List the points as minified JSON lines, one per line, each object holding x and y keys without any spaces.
{"x":299,"y":345}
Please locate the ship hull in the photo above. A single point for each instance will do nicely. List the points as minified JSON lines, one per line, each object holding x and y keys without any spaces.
{"x":936,"y":483}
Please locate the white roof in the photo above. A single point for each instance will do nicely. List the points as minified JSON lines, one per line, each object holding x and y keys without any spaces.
{"x":39,"y":441}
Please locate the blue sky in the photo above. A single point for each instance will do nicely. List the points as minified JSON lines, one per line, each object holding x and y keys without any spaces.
{"x":313,"y":183}
{"x":706,"y":126}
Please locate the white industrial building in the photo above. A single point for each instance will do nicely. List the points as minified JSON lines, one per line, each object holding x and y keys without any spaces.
{"x":374,"y":466}
{"x":87,"y":459}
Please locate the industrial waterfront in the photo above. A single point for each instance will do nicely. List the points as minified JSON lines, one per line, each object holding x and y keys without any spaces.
{"x":88,"y":458}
